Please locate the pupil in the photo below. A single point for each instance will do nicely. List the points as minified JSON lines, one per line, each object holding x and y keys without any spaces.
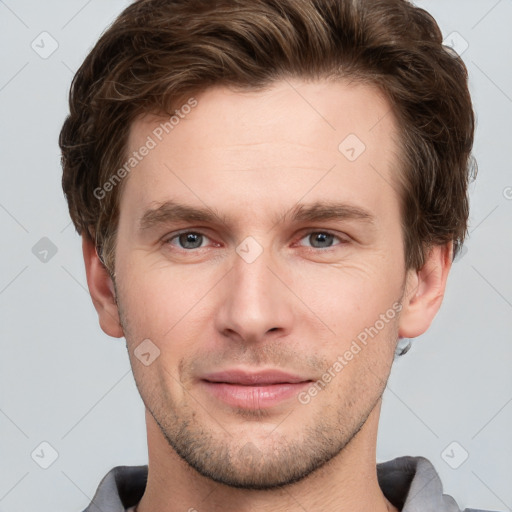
{"x":190,"y":240}
{"x":324,"y":239}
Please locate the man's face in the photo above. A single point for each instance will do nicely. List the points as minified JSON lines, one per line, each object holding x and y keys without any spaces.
{"x":302,"y":252}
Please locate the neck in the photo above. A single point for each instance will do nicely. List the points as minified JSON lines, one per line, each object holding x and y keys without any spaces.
{"x":348,"y":482}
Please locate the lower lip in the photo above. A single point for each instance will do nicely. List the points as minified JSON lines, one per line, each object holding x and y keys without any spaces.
{"x":254,"y":397}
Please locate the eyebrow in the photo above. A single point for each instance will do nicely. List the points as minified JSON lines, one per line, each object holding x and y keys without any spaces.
{"x":172,"y":211}
{"x":322,"y":210}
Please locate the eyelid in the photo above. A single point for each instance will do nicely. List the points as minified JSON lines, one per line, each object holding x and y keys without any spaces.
{"x":342,"y":238}
{"x":176,"y":234}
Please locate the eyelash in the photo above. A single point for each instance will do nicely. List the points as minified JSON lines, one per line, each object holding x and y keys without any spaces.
{"x":342,"y":241}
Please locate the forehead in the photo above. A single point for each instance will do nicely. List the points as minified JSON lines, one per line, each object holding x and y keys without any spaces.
{"x":294,"y":138}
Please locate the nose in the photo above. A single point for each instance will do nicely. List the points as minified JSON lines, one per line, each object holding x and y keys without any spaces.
{"x":255,"y":303}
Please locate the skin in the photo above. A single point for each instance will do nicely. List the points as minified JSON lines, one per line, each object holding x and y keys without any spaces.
{"x":252,"y":157}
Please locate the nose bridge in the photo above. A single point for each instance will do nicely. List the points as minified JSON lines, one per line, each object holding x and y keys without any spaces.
{"x":255,"y":301}
{"x":252,"y":279}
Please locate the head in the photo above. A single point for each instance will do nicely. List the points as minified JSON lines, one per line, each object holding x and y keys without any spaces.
{"x":260,"y":184}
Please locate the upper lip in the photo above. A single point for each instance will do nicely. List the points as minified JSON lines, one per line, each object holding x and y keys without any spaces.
{"x":254,"y":378}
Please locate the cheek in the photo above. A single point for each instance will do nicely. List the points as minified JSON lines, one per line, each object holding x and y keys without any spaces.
{"x":159,"y":299}
{"x":348,"y":297}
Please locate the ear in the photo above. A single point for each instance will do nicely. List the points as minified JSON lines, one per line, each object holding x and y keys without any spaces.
{"x":101,"y":289}
{"x":424,"y":292}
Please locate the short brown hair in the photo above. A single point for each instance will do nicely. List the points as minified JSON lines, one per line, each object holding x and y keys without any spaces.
{"x":159,"y":51}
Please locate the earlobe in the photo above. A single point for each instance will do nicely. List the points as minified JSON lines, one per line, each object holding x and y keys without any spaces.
{"x":101,"y":289}
{"x":424,"y":292}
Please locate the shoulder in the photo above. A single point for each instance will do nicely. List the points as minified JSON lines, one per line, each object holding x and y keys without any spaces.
{"x":121,"y":487}
{"x":477,"y":510}
{"x":412,"y":483}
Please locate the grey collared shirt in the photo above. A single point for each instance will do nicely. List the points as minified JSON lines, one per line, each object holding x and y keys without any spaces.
{"x":411,"y":484}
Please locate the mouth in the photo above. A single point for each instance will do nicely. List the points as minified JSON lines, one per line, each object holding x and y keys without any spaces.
{"x":254,"y":390}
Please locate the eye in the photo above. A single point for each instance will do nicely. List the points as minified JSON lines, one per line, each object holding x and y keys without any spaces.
{"x":321,"y":239}
{"x":187,"y":240}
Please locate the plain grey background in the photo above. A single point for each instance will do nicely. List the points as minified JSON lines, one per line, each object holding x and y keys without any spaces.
{"x":65,"y":383}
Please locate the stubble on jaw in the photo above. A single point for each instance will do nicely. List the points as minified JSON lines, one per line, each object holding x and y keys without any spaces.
{"x":240,"y":463}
